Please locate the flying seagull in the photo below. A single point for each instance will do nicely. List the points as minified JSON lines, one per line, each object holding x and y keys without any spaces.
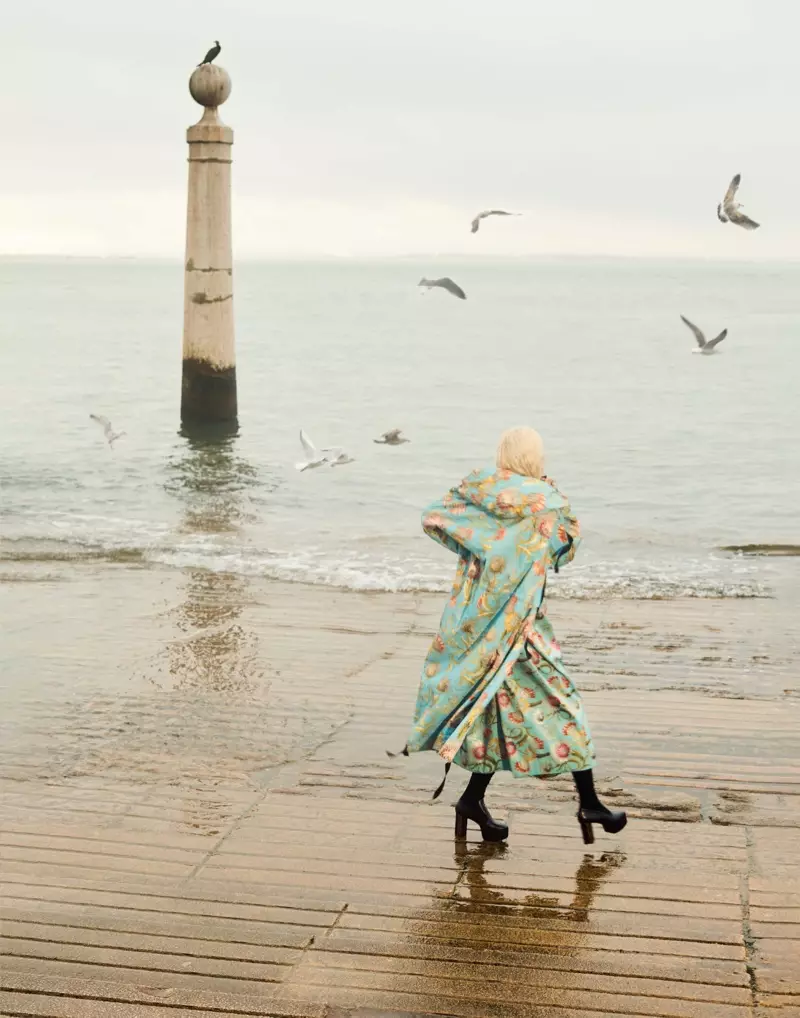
{"x":108,"y":431}
{"x":704,"y":346}
{"x":212,"y":54}
{"x":393,"y":437}
{"x":446,"y":284}
{"x":321,"y":457}
{"x":728,"y":208}
{"x":476,"y":222}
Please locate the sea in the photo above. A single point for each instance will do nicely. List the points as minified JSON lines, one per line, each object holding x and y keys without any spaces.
{"x":668,"y":458}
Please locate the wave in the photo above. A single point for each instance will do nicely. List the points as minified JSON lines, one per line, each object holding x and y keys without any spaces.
{"x":771,"y":550}
{"x":75,"y":553}
{"x":632,"y":579}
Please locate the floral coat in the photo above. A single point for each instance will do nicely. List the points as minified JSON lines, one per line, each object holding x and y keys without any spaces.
{"x":494,"y":693}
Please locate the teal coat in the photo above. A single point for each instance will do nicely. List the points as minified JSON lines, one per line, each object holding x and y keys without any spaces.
{"x":494,"y":693}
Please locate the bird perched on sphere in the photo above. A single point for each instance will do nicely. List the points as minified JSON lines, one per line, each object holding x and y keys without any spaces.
{"x":446,"y":284}
{"x":476,"y":222}
{"x":212,"y":54}
{"x":393,"y":437}
{"x":728,"y":208}
{"x":704,"y":346}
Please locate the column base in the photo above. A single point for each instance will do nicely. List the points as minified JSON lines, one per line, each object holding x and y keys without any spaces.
{"x":208,"y":394}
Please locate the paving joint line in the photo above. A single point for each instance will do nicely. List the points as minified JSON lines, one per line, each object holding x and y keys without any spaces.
{"x":224,"y":837}
{"x":446,"y":918}
{"x":502,"y":981}
{"x":513,"y":965}
{"x":509,"y":965}
{"x":102,"y":964}
{"x":119,"y":998}
{"x":554,"y":1005}
{"x":236,"y":825}
{"x":162,"y":893}
{"x":169,"y":936}
{"x":748,"y":938}
{"x":178,"y":912}
{"x":148,"y":950}
{"x":331,"y":928}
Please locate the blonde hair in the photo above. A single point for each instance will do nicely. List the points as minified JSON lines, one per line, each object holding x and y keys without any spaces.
{"x":521,"y":450}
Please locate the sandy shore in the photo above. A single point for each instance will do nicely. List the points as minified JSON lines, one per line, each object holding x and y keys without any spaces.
{"x":199,"y":814}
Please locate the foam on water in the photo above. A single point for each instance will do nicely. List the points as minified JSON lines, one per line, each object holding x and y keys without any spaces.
{"x":712,"y":577}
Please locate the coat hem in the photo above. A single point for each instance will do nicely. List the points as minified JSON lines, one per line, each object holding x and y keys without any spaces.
{"x":557,"y":770}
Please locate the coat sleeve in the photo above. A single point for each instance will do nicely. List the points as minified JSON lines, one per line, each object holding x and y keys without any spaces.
{"x":449,"y":523}
{"x":434,"y":524}
{"x":565,"y":535}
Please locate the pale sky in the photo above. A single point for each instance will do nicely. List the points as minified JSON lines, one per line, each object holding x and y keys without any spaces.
{"x":369,"y":127}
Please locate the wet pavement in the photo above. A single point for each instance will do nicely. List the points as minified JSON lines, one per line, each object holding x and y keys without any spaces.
{"x":199,"y":816}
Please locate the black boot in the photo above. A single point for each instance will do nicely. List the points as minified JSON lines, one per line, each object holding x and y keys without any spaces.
{"x":592,"y":811}
{"x":471,"y":807}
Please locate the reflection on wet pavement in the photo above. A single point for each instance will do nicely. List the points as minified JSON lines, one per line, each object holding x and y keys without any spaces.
{"x":214,"y":651}
{"x":527,"y":907}
{"x":183,"y":693}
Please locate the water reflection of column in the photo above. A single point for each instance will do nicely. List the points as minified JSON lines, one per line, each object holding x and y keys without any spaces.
{"x":215,"y":651}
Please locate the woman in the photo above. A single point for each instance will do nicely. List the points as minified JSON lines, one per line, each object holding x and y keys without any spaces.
{"x":494,"y":694}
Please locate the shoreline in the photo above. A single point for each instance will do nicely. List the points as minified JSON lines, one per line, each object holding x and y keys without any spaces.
{"x":51,"y":558}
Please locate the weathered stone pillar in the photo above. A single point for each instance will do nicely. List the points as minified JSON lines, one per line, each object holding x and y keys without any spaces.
{"x":208,"y":394}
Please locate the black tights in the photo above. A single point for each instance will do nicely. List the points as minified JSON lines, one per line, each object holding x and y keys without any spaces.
{"x":584,"y":783}
{"x":476,"y":789}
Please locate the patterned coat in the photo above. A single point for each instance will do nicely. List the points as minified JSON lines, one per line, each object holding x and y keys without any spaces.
{"x":494,"y":693}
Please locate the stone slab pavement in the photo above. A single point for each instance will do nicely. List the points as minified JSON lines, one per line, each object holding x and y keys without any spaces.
{"x":328,"y":884}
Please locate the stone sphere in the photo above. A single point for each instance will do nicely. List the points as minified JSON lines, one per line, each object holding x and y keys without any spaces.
{"x":210,"y":85}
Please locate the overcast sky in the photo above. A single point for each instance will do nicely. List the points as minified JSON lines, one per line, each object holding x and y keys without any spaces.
{"x":374,"y":127}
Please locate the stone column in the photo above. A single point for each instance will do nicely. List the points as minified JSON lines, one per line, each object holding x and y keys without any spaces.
{"x":208,"y":394}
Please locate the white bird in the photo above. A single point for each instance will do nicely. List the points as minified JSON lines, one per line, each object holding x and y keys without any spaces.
{"x":704,"y":346}
{"x":334,"y":457}
{"x":108,"y":431}
{"x":393,"y":437}
{"x":476,"y":222}
{"x":728,"y":208}
{"x":446,"y":284}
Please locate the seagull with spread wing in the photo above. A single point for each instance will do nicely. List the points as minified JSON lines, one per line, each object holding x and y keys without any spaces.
{"x":334,"y":457}
{"x":704,"y":346}
{"x":108,"y":431}
{"x":393,"y":437}
{"x":476,"y":222}
{"x":728,"y":208}
{"x":446,"y":284}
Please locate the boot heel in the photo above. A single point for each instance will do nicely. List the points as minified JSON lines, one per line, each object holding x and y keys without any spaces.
{"x":586,"y":831}
{"x":478,"y":814}
{"x":612,"y":822}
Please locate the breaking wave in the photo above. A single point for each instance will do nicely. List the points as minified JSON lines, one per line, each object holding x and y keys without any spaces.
{"x":715,"y":576}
